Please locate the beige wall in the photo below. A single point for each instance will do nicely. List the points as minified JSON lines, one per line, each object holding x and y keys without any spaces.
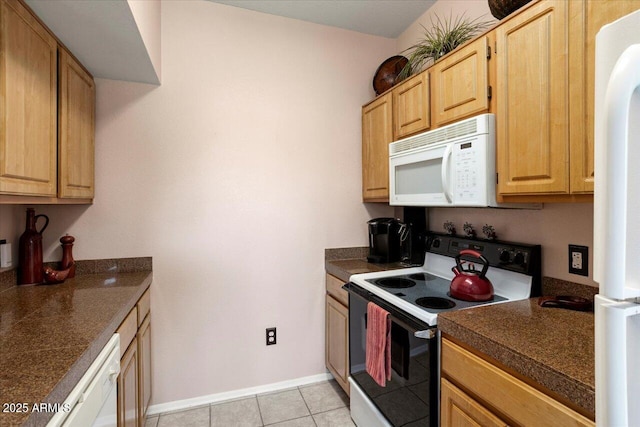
{"x":234,"y":175}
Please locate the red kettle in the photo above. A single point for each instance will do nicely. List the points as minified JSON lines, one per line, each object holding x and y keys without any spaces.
{"x":471,"y":285}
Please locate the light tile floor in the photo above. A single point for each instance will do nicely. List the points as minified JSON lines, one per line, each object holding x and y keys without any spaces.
{"x":322,"y":404}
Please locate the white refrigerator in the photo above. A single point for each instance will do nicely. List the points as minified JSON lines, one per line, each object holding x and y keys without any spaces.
{"x":617,"y":223}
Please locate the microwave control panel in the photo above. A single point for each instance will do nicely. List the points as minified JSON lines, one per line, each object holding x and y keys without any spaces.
{"x":469,"y":163}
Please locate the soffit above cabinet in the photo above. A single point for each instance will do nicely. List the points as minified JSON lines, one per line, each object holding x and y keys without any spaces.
{"x":113,"y":39}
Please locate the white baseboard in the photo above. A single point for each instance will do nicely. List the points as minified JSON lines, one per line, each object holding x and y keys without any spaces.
{"x":178,"y":405}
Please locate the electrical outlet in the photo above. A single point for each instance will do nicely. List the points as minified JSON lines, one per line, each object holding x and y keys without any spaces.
{"x":271,"y":336}
{"x":579,"y":260}
{"x":5,"y":254}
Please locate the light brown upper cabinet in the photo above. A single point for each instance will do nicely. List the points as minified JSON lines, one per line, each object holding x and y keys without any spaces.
{"x":545,"y":60}
{"x":411,"y":106}
{"x":587,"y":17}
{"x":398,"y":113}
{"x":532,"y":117}
{"x":77,"y":95}
{"x":27,"y":103}
{"x":47,"y":110}
{"x":460,"y":83}
{"x":377,"y":133}
{"x":541,"y":70}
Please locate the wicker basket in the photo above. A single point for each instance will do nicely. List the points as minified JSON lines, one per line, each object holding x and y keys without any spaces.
{"x":502,"y":8}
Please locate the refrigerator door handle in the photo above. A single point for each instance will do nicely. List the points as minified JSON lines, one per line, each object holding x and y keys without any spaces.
{"x":614,"y":321}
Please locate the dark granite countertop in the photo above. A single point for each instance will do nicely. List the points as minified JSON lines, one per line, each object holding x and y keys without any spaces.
{"x":550,"y":348}
{"x":50,"y":334}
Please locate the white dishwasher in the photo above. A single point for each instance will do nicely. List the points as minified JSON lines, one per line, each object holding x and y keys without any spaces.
{"x":93,"y":401}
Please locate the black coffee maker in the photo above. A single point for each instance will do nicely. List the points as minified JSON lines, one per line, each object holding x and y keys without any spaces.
{"x":414,"y":245}
{"x":385,"y":240}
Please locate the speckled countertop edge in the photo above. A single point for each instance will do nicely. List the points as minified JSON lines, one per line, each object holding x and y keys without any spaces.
{"x":346,"y":253}
{"x":133,"y":275}
{"x":343,"y":262}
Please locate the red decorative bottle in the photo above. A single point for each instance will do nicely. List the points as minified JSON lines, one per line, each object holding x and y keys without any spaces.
{"x":30,"y":271}
{"x":67,"y":256}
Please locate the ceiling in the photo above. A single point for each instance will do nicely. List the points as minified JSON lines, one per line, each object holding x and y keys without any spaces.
{"x":104,"y":36}
{"x":386,"y":18}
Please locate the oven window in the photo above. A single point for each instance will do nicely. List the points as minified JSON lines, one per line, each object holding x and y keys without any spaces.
{"x":419,"y":178}
{"x":406,"y":397}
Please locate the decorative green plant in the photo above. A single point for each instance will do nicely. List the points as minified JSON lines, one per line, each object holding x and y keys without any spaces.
{"x":443,"y":36}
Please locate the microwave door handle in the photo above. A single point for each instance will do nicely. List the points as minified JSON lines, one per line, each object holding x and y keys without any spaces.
{"x":445,"y":172}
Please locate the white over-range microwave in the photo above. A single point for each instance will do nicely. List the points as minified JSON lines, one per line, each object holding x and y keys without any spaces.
{"x":454,"y":165}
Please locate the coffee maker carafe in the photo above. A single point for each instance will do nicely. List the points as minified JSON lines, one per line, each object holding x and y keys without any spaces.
{"x":385,"y":240}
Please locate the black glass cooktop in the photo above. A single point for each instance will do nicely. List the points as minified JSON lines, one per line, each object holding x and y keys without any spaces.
{"x":429,"y":292}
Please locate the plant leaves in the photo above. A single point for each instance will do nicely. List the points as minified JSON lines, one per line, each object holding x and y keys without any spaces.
{"x":444,"y":35}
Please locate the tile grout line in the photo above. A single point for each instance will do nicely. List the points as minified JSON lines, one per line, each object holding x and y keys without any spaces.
{"x":259,"y":410}
{"x":308,"y":408}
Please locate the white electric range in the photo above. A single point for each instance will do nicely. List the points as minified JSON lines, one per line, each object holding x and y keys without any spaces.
{"x":414,"y":297}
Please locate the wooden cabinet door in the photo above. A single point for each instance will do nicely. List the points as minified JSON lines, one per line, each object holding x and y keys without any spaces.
{"x":457,"y":409}
{"x":532,"y":119}
{"x":460,"y":83}
{"x":27,"y":103}
{"x":128,"y":406}
{"x":587,"y":17}
{"x":516,"y":400}
{"x":377,"y":133}
{"x":76,"y":130}
{"x":337,"y":341}
{"x":144,"y":367}
{"x":411,"y":106}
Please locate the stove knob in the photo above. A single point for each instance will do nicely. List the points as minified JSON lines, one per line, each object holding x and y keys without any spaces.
{"x":505,"y":256}
{"x":519,"y":258}
{"x":436,"y":243}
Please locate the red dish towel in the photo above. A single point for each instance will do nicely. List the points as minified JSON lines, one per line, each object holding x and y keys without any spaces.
{"x":378,"y":357}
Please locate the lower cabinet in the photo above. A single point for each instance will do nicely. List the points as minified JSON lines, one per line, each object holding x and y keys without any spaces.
{"x":134,"y":381}
{"x":337,"y":332}
{"x":128,"y":387}
{"x":459,"y":409}
{"x":144,"y":362}
{"x":476,"y":392}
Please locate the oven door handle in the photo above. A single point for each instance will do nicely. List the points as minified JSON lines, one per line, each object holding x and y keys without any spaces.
{"x":427,"y":334}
